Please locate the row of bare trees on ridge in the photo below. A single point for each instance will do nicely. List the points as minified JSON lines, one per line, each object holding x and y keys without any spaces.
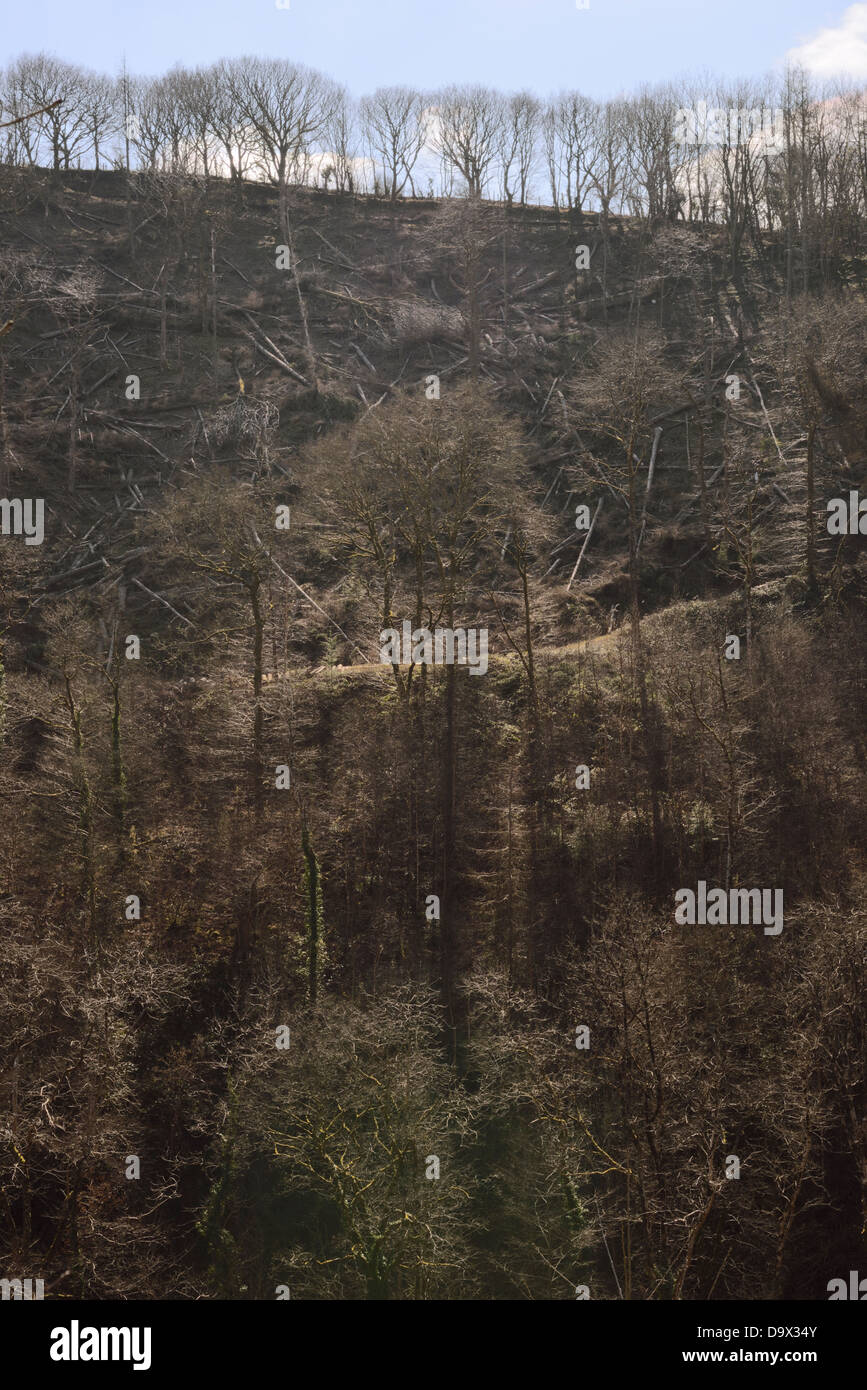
{"x":273,"y":119}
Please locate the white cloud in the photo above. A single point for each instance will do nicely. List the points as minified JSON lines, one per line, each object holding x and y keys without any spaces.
{"x":839,"y":52}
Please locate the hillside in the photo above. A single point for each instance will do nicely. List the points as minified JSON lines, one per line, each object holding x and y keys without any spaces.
{"x":226,"y":815}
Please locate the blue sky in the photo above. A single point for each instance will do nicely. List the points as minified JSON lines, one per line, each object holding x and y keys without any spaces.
{"x":544,"y":45}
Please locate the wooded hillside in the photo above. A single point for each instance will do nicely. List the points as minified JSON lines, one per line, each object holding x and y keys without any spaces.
{"x":317,"y":938}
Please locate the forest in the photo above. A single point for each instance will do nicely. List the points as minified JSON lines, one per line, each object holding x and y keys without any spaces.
{"x":334,"y":966}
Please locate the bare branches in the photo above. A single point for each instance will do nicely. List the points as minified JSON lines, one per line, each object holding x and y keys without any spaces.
{"x":30,"y":114}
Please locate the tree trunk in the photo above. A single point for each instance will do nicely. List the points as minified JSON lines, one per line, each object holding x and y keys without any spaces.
{"x":258,"y":634}
{"x":118,"y":772}
{"x":647,"y":725}
{"x":812,"y":583}
{"x":288,"y":240}
{"x":214,"y":309}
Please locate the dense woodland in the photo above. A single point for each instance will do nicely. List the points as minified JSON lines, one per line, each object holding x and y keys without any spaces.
{"x":245,"y":822}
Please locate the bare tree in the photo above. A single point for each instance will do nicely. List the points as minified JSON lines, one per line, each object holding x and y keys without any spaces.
{"x":232,"y":132}
{"x":466,"y":127}
{"x":212,"y":524}
{"x":99,"y":112}
{"x":394,"y":125}
{"x":521,"y":116}
{"x":607,"y":173}
{"x":196,"y":99}
{"x":59,"y":129}
{"x":287,"y":105}
{"x":571,"y":120}
{"x":142,"y":118}
{"x":342,"y":137}
{"x":615,"y":400}
{"x":648,"y":124}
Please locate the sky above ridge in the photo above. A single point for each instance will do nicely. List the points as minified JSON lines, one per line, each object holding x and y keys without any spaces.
{"x":613,"y":46}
